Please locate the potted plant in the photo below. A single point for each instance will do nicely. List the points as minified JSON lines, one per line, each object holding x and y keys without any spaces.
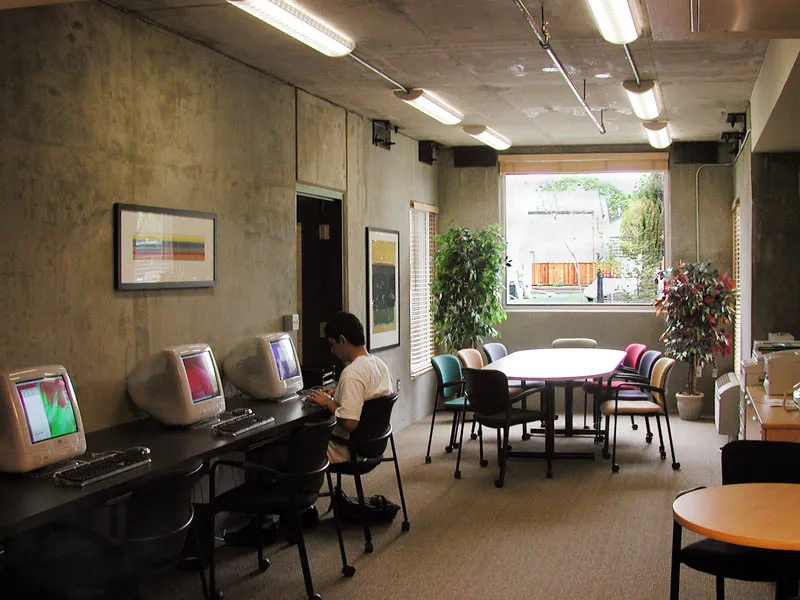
{"x":468,"y":269}
{"x":698,"y":303}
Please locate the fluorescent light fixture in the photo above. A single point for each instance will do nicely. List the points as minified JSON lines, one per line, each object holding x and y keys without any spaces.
{"x":488,"y":136}
{"x":657,"y":133}
{"x":617,"y":20}
{"x":298,"y":24}
{"x":432,"y":106}
{"x":645,"y":99}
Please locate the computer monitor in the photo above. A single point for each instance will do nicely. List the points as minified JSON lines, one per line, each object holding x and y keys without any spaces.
{"x":265,"y":367}
{"x":40,"y":423}
{"x":178,"y":385}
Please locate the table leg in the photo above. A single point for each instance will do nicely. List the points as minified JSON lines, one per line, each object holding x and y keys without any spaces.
{"x":675,"y":568}
{"x":569,"y":397}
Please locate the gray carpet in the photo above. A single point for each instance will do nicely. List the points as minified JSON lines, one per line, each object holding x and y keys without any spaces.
{"x":587,"y":533}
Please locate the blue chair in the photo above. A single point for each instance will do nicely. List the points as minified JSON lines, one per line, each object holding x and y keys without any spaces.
{"x":449,"y":397}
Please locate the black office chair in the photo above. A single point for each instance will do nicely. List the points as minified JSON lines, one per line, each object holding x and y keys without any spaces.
{"x":488,"y":394}
{"x":115,"y":549}
{"x":285,"y":491}
{"x":745,"y":461}
{"x":367,"y":445}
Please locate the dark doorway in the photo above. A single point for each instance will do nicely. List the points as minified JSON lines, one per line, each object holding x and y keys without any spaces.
{"x":320,"y":260}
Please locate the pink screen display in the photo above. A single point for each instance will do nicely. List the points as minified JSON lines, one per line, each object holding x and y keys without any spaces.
{"x":285,"y":359}
{"x":202,"y":376}
{"x":48,"y":408}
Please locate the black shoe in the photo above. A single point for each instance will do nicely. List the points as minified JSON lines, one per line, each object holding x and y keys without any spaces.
{"x":247,"y":536}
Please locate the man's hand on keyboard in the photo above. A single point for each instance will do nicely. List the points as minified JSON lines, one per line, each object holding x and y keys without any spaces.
{"x":323,"y":397}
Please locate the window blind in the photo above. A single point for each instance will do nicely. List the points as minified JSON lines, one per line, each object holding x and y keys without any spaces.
{"x":620,"y":162}
{"x":423,"y":246}
{"x":737,"y":278}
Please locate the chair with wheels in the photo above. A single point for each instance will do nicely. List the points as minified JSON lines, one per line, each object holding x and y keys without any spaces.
{"x":449,"y":397}
{"x":495,"y":351}
{"x":285,"y":490}
{"x":630,"y":365}
{"x":745,"y":461}
{"x":645,"y":400}
{"x":488,"y":393}
{"x":367,"y":445}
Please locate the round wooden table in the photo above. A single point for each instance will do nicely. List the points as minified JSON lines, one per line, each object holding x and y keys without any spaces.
{"x":762,"y":515}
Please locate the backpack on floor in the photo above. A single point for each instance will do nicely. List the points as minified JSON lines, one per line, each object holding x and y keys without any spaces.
{"x":379,"y":508}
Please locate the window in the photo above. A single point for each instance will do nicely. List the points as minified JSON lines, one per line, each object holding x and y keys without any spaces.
{"x":423,"y":245}
{"x":737,"y":277}
{"x":584,"y":228}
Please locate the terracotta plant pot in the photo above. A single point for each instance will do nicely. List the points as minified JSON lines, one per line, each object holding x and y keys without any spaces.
{"x":689,"y":406}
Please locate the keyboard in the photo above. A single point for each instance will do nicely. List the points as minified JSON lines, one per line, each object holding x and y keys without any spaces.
{"x":239,"y":425}
{"x":100,"y":468}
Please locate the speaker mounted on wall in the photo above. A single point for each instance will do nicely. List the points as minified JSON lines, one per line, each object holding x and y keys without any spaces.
{"x":382,"y":134}
{"x":474,"y":156}
{"x":427,"y":151}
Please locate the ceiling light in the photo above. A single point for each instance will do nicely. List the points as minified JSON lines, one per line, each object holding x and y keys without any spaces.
{"x":550,"y":69}
{"x":657,"y":133}
{"x":298,"y":24}
{"x":488,"y":136}
{"x":432,"y":106}
{"x":616,"y":19}
{"x":603,"y":76}
{"x":645,"y":99}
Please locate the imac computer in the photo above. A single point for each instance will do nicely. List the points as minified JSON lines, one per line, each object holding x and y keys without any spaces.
{"x":40,"y":423}
{"x":178,"y":385}
{"x":265,"y":367}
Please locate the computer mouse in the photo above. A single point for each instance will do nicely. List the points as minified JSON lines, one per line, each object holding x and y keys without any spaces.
{"x":138,"y":450}
{"x":236,"y":412}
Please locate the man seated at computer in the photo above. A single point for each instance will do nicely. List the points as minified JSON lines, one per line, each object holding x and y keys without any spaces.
{"x":364,"y":377}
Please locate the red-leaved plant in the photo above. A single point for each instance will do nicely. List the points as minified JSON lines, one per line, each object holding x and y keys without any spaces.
{"x":699,"y":305}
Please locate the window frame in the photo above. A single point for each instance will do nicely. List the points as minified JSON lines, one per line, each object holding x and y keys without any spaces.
{"x":584,"y":164}
{"x":420,"y":354}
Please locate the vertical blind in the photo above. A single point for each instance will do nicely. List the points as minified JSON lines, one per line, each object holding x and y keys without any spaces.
{"x":423,"y":246}
{"x":737,"y":278}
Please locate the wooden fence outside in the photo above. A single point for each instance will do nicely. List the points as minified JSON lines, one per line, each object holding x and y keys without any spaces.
{"x":548,"y":274}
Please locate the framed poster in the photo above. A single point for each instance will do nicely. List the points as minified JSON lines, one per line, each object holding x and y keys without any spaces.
{"x":383,"y":287}
{"x":163,"y":248}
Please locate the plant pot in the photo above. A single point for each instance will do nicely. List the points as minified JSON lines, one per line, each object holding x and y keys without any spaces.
{"x":689,"y":406}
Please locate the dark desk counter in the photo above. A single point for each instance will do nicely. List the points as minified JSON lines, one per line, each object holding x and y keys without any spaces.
{"x":28,"y":501}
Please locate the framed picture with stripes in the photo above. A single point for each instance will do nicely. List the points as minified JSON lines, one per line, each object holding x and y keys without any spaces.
{"x":164,"y":248}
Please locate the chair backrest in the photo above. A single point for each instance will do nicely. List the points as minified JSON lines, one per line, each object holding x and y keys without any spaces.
{"x":760,"y":461}
{"x":487,"y":390}
{"x":494,"y":351}
{"x":633,"y":354}
{"x":307,"y":452}
{"x":471,"y":358}
{"x":369,"y":439}
{"x":659,"y":378}
{"x":448,"y":369}
{"x":574,"y":343}
{"x":647,"y":361}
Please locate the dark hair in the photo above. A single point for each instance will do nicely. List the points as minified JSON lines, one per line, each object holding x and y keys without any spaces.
{"x":345,"y":324}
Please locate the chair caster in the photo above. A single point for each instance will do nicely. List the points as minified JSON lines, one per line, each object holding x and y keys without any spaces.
{"x":263,"y":564}
{"x":315,"y":597}
{"x":368,"y":548}
{"x":448,"y":449}
{"x":526,"y":437}
{"x":634,"y":426}
{"x":349,"y":571}
{"x":499,"y":483}
{"x":473,"y":436}
{"x":606,"y":454}
{"x":648,"y":438}
{"x":676,"y":466}
{"x":406,"y":526}
{"x":615,"y":468}
{"x":663,"y":455}
{"x":484,"y":463}
{"x":218,"y":595}
{"x":457,"y":474}
{"x":427,"y":460}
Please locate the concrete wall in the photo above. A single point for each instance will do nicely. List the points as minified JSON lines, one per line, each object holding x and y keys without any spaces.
{"x":97,"y":107}
{"x":470,"y":196}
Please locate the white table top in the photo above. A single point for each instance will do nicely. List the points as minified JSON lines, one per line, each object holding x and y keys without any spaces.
{"x":559,"y":364}
{"x":762,"y":515}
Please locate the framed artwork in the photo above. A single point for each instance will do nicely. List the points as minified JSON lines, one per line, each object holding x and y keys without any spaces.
{"x":158,"y":248}
{"x":383,"y":286}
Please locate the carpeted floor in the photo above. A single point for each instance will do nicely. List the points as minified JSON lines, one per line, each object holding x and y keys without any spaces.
{"x":587,"y":533}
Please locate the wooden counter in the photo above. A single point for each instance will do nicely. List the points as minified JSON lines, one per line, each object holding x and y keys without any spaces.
{"x":773,"y":422}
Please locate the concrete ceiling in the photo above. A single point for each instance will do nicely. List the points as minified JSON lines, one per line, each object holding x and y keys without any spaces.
{"x":482,"y":57}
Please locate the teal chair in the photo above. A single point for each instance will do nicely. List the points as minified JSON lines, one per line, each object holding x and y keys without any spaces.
{"x":449,"y":397}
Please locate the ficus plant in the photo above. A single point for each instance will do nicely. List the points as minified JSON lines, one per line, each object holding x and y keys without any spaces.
{"x":698,"y":303}
{"x":468,"y":280}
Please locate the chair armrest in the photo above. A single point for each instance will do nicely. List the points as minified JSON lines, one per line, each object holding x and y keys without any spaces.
{"x":522,"y":395}
{"x":645,"y":387}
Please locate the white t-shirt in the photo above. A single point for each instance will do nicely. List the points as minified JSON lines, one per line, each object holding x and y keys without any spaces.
{"x":365,"y":378}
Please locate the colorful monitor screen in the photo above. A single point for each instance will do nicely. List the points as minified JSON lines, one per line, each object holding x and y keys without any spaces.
{"x":48,"y":407}
{"x":285,"y":359}
{"x":201,"y":375}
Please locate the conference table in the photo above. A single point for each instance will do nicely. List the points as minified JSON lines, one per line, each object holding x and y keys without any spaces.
{"x":759,"y":515}
{"x":553,"y":366}
{"x":30,"y":500}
